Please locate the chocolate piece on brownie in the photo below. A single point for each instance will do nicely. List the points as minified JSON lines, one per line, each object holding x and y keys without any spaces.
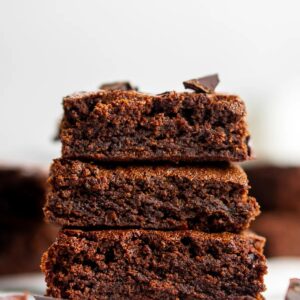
{"x":205,"y":197}
{"x":118,"y":86}
{"x":131,"y":126}
{"x":138,"y":264}
{"x":205,"y":84}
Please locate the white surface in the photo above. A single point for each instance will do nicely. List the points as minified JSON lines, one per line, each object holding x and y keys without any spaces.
{"x":33,"y":283}
{"x":54,"y":47}
{"x":277,"y":280}
{"x":280,"y":271}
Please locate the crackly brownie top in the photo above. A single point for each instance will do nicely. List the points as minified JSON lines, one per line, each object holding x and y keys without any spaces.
{"x":107,"y":96}
{"x":221,"y":172}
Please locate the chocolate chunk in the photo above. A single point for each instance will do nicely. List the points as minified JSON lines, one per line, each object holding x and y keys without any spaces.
{"x":205,"y":84}
{"x":121,"y":86}
{"x":293,"y":292}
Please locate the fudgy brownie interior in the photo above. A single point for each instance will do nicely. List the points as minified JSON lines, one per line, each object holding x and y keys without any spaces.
{"x":138,"y":264}
{"x":205,"y":197}
{"x":127,"y":125}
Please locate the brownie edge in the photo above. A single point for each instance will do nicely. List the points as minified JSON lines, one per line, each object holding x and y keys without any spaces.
{"x":138,"y":264}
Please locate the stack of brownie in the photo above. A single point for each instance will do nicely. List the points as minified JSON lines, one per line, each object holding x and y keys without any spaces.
{"x":150,"y":203}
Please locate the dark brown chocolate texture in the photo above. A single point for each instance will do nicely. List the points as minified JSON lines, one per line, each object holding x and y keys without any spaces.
{"x":208,"y":198}
{"x":205,"y":84}
{"x":138,"y":264}
{"x":131,"y":126}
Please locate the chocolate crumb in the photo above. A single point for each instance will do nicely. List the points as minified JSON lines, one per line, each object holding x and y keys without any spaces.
{"x":121,"y":86}
{"x":205,"y":84}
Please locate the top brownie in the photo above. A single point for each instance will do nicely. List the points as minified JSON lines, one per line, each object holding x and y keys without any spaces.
{"x":115,"y":125}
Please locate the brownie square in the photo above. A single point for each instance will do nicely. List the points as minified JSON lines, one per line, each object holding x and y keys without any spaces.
{"x":205,"y":197}
{"x":276,"y":187}
{"x":110,"y":125}
{"x":22,"y":194}
{"x":138,"y":264}
{"x":23,"y":234}
{"x":22,"y":245}
{"x":282,"y":231}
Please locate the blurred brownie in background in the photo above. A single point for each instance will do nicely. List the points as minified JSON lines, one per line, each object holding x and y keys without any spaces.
{"x":23,"y":235}
{"x":277,"y":189}
{"x":282,"y":230}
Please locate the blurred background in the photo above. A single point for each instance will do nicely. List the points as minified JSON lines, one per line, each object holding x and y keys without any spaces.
{"x":49,"y":49}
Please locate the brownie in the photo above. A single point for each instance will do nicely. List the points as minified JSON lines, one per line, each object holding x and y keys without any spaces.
{"x":282,"y":230}
{"x":23,"y":234}
{"x":138,"y":264}
{"x":22,"y":193}
{"x":276,"y":187}
{"x":114,"y":125}
{"x":22,"y":245}
{"x":206,"y":197}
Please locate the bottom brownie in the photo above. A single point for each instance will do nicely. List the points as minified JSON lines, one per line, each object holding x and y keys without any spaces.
{"x":138,"y":264}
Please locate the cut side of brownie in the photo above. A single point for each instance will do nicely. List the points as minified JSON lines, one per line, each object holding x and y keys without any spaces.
{"x":138,"y":264}
{"x":109,"y":125}
{"x":205,"y":197}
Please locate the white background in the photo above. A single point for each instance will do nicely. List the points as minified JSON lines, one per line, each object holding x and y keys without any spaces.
{"x":54,"y":47}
